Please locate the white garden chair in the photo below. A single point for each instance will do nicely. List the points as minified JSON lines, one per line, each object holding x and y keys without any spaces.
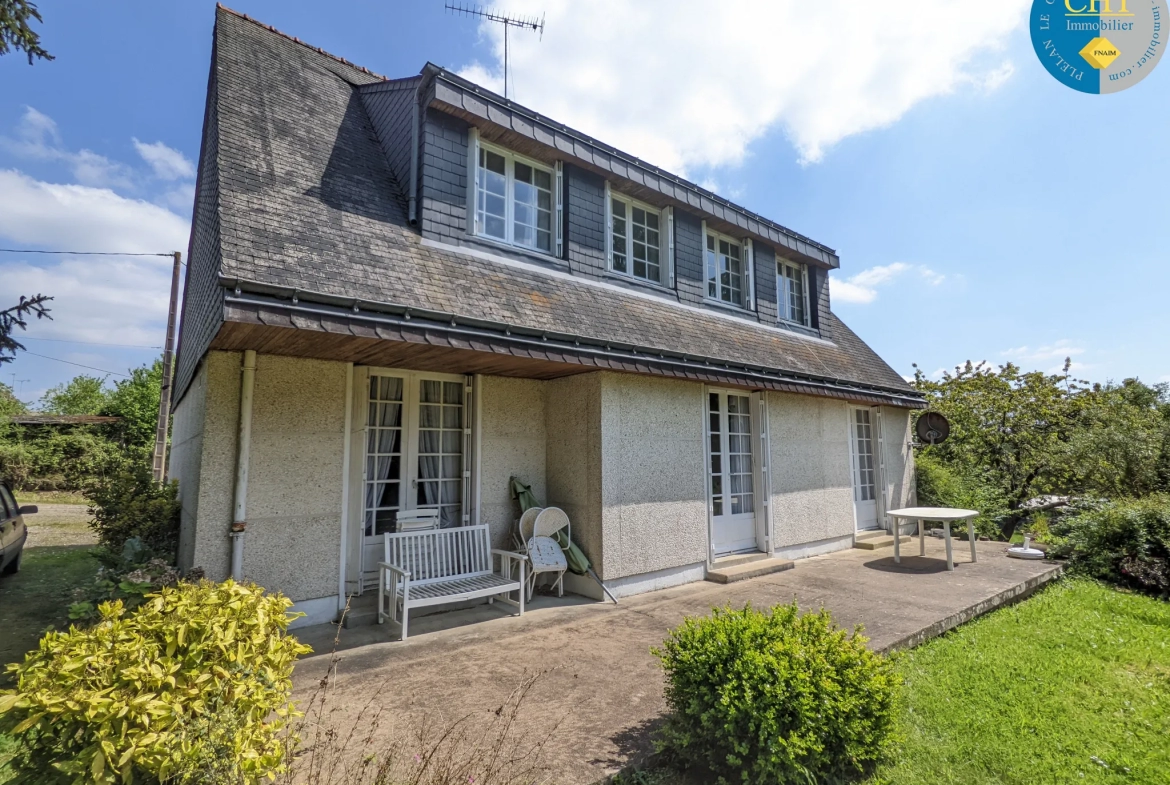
{"x":537,"y":527}
{"x":419,"y":520}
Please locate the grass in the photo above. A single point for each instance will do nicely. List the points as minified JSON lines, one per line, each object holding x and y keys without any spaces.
{"x":32,"y":601}
{"x":1072,"y":685}
{"x":50,"y":497}
{"x":37,"y":598}
{"x":1069,"y":686}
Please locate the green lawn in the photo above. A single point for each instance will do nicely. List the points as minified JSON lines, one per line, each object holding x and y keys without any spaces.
{"x":38,"y":597}
{"x":1072,"y":685}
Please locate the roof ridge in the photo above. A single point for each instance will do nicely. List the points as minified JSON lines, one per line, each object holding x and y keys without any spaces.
{"x":294,"y":39}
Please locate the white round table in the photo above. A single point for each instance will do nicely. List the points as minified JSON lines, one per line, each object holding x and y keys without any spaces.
{"x":944,"y":515}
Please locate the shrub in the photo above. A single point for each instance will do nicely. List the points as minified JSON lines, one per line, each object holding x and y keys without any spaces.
{"x":130,"y":576}
{"x":199,"y":673}
{"x":126,"y":503}
{"x":942,"y":485}
{"x":775,"y":697}
{"x":1125,"y":541}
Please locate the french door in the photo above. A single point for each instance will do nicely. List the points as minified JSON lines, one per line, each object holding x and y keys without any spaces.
{"x":731,"y":473}
{"x":864,"y":469}
{"x":416,"y":442}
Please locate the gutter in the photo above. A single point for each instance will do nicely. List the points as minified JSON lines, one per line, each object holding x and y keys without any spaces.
{"x":472,"y":328}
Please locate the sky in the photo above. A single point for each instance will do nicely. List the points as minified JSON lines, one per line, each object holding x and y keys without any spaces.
{"x":981,"y":210}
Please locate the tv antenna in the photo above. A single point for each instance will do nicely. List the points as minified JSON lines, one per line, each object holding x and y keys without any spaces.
{"x":530,"y":22}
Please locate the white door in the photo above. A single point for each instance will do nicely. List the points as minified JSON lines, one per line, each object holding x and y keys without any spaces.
{"x":864,"y":474}
{"x":413,"y":454}
{"x":732,"y":473}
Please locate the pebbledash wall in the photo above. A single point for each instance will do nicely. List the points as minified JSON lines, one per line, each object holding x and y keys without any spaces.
{"x":623,"y":455}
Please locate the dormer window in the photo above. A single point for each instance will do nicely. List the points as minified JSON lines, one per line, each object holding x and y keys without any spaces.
{"x":792,"y":292}
{"x":637,"y":239}
{"x":726,"y":269}
{"x":513,"y":199}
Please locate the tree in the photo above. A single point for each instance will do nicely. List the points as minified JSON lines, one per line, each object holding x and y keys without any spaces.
{"x":16,"y":32}
{"x":81,"y":395}
{"x":136,"y":401}
{"x":10,"y":405}
{"x":1008,"y":428}
{"x":17,"y":316}
{"x":1117,"y":447}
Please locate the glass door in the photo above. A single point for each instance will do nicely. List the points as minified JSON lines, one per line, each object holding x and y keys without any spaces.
{"x":864,"y":476}
{"x":414,"y":454}
{"x":732,"y":473}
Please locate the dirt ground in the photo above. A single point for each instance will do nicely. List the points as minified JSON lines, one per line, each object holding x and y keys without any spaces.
{"x":59,"y":524}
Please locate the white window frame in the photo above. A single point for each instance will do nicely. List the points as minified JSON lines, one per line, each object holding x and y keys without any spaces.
{"x":746,"y":275}
{"x":665,"y":238}
{"x":510,"y":161}
{"x":782,"y":302}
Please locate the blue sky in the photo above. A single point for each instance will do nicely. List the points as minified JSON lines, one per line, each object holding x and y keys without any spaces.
{"x":981,"y":210}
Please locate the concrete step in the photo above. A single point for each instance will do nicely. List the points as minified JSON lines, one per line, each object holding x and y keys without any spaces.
{"x":363,"y":610}
{"x":736,"y":559}
{"x":749,"y":569}
{"x":874,"y":542}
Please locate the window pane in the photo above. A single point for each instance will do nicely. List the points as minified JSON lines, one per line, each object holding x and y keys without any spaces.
{"x":619,"y":208}
{"x":523,"y":173}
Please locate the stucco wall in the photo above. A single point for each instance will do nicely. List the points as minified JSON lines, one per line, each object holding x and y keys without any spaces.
{"x":512,"y":442}
{"x":295,"y":482}
{"x":184,"y":460}
{"x":812,"y":491}
{"x":211,"y":548}
{"x":573,"y":458}
{"x":654,"y":502}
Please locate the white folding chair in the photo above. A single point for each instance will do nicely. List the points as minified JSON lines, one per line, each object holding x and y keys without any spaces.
{"x":544,"y":554}
{"x":420,"y":520}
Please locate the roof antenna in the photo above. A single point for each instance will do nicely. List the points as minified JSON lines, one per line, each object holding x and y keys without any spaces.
{"x":507,"y":20}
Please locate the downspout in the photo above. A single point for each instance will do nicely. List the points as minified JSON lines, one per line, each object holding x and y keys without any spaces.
{"x":243,"y":456}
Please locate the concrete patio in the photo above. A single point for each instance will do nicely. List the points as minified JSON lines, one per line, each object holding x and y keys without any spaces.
{"x":602,"y":688}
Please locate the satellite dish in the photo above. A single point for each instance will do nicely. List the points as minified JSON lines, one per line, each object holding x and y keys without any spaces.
{"x":933,"y":428}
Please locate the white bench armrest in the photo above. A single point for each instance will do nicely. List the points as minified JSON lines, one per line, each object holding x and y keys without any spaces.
{"x":508,"y":554}
{"x":385,"y":565}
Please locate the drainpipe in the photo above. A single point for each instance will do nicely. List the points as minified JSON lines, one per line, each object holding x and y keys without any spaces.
{"x":243,"y":455}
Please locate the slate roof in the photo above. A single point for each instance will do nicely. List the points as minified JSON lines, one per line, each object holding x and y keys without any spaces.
{"x":296,"y":195}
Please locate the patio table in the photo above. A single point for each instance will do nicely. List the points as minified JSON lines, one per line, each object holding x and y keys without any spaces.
{"x":944,"y":515}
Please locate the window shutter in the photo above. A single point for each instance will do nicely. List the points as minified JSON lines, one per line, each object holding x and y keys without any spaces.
{"x":749,"y":273}
{"x":473,"y":180}
{"x":670,"y":246}
{"x":560,"y":179}
{"x":804,"y":284}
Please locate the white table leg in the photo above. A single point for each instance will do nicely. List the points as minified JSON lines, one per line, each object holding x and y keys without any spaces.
{"x":947,"y":533}
{"x":971,"y":535}
{"x":921,"y":537}
{"x":897,"y":550}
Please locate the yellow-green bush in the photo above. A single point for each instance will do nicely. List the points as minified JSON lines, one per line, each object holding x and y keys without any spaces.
{"x":197,"y":677}
{"x":775,"y":697}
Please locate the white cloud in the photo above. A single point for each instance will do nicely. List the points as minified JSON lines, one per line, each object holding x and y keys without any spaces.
{"x":79,"y":217}
{"x":181,"y":198}
{"x":1050,"y":357}
{"x":683,"y":83}
{"x":111,"y":299}
{"x":166,"y":162}
{"x":37,"y":137}
{"x":862,"y":287}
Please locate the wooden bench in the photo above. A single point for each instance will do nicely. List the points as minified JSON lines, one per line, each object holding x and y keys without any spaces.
{"x":440,"y":566}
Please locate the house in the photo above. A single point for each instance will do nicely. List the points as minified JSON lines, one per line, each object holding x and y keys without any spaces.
{"x":403,"y":292}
